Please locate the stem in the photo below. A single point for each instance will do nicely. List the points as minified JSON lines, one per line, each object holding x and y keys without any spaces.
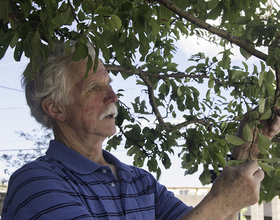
{"x":249,"y":158}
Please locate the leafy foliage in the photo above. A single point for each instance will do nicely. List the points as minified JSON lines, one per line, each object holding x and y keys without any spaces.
{"x":138,"y":38}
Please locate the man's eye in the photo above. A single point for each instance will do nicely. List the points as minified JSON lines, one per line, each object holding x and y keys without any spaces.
{"x":95,"y":88}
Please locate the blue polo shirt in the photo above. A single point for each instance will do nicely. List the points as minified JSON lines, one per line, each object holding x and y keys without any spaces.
{"x":66,"y":185}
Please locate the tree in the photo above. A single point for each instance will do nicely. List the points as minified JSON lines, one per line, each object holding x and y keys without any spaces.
{"x":40,"y":140}
{"x":124,"y":29}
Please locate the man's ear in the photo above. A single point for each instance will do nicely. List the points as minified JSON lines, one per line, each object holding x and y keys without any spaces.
{"x":52,"y":109}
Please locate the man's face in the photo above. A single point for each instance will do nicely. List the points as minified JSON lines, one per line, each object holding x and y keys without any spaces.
{"x":92,"y":112}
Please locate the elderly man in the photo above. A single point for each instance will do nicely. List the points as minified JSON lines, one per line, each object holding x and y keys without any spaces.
{"x":76,"y":179}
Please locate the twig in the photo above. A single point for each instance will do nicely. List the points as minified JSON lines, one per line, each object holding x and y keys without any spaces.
{"x":249,"y":158}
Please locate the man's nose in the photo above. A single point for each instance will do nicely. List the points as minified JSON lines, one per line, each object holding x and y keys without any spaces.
{"x":111,"y":96}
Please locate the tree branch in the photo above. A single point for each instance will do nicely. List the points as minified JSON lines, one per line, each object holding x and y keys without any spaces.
{"x":138,"y":72}
{"x":157,"y":113}
{"x":221,"y":33}
{"x":153,"y":101}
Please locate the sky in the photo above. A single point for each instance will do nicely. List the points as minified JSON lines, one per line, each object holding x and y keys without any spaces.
{"x":15,"y":114}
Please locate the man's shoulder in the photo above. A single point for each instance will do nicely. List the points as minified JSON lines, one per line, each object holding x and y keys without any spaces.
{"x":40,"y":166}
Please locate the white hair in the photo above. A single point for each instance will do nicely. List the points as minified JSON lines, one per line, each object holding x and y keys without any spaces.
{"x":51,"y":81}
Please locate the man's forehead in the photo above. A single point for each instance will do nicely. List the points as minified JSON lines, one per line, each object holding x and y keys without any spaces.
{"x":100,"y":76}
{"x":100,"y":67}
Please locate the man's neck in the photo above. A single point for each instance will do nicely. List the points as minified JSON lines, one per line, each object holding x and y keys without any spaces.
{"x":89,"y":148}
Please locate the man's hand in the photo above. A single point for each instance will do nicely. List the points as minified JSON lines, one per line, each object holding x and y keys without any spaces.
{"x":271,"y":127}
{"x":235,"y":188}
{"x":238,"y":187}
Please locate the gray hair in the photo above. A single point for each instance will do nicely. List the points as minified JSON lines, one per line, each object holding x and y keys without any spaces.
{"x":52,"y":81}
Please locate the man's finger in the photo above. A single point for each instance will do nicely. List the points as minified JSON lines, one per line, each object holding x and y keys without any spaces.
{"x":251,"y":165}
{"x":259,"y":174}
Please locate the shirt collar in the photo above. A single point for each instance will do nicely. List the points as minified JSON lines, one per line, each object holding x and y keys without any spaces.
{"x":77,"y":162}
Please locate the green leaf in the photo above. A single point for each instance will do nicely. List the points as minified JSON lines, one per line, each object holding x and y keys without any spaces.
{"x":205,"y":177}
{"x":215,"y":12}
{"x":35,"y":44}
{"x":270,"y":77}
{"x":18,"y":51}
{"x":112,"y":143}
{"x":172,"y":67}
{"x":155,"y":27}
{"x":247,"y":133}
{"x":81,"y":15}
{"x":265,"y":167}
{"x":263,"y":140}
{"x":111,"y":24}
{"x":253,"y":23}
{"x":271,"y":160}
{"x":3,"y":10}
{"x":117,"y":21}
{"x":192,"y":170}
{"x":181,"y":4}
{"x":103,"y":10}
{"x":220,"y":159}
{"x":263,"y":150}
{"x":61,"y":17}
{"x":152,"y":165}
{"x":83,"y":51}
{"x":266,"y":115}
{"x":234,"y":140}
{"x":89,"y":65}
{"x":166,"y":161}
{"x":253,"y":116}
{"x":262,"y":104}
{"x":158,"y":173}
{"x":14,"y":40}
{"x":242,"y":20}
{"x":245,"y":54}
{"x":123,"y":37}
{"x":212,"y":4}
{"x":133,"y":150}
{"x":126,"y":6}
{"x":146,"y":132}
{"x":208,"y":94}
{"x":179,"y":93}
{"x":190,"y":68}
{"x":164,"y":13}
{"x":211,"y":83}
{"x":226,"y":62}
{"x":271,"y":185}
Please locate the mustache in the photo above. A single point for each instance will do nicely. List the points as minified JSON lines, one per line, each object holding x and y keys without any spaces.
{"x":111,"y":111}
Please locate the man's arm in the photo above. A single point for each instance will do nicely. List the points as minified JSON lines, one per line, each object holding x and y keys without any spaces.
{"x":235,"y":188}
{"x":232,"y":216}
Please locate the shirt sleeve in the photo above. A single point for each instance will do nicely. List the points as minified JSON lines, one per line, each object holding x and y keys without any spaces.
{"x":38,"y":193}
{"x":167,"y":206}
